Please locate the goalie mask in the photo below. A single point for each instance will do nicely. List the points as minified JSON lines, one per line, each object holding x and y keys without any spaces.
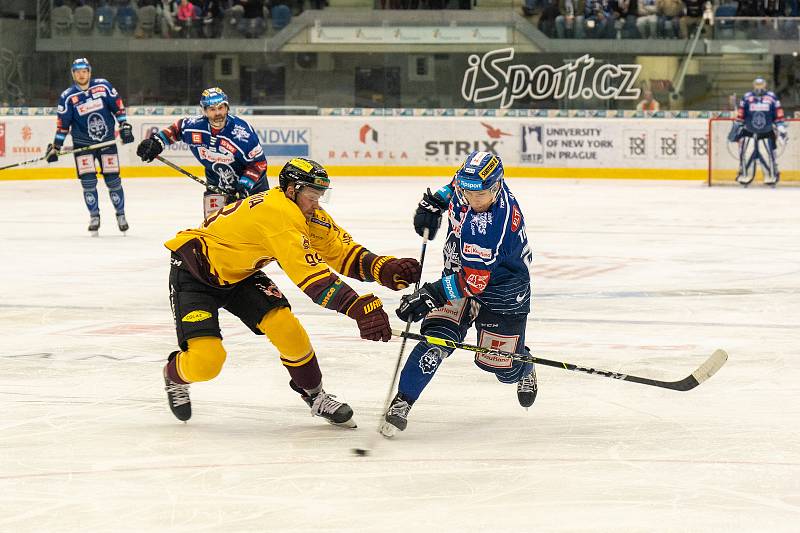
{"x":759,"y":86}
{"x":302,"y":173}
{"x":479,"y":180}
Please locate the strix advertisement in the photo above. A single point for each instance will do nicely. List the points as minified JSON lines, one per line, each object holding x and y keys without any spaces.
{"x":450,"y":145}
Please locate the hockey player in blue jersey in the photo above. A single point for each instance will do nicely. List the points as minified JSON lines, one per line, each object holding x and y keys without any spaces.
{"x":87,"y":111}
{"x":758,"y":117}
{"x":485,"y":282}
{"x":224,"y":144}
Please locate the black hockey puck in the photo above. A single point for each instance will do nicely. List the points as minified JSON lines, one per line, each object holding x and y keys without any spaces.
{"x":361,"y":452}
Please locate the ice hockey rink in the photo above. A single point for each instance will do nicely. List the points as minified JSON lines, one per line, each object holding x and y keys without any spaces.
{"x":646,"y":278}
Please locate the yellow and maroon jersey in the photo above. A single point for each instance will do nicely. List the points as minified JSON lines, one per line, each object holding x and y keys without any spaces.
{"x":241,"y":238}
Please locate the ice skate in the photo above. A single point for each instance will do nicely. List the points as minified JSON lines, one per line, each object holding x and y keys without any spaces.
{"x":323,"y":404}
{"x":772,"y":181}
{"x":122,"y":222}
{"x":526,"y":389}
{"x":744,"y":180}
{"x":94,"y":225}
{"x":396,"y":417}
{"x":177,"y":396}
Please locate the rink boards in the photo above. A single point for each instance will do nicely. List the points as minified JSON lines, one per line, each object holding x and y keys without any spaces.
{"x":534,"y":147}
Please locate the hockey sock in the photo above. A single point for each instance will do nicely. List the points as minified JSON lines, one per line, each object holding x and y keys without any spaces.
{"x":422,"y":363}
{"x":89,"y":184}
{"x":115,"y":192}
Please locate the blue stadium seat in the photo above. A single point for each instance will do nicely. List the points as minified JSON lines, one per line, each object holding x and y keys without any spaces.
{"x":104,"y":20}
{"x":281,"y":16}
{"x":724,"y":28}
{"x":126,"y":19}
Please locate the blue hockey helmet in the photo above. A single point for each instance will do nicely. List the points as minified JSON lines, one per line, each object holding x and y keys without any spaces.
{"x":81,"y":63}
{"x":213,"y":96}
{"x":759,"y":86}
{"x":481,"y":171}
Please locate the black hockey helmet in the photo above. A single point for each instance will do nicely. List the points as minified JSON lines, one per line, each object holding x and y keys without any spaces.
{"x":304,"y":173}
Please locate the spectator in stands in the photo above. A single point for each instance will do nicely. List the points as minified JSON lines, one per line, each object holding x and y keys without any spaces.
{"x":252,"y":23}
{"x":212,"y":13}
{"x":597,"y":19}
{"x":547,"y":20}
{"x":648,"y":103}
{"x":623,"y":13}
{"x":647,"y":20}
{"x":169,"y":21}
{"x":692,"y":18}
{"x":668,"y":13}
{"x":186,"y":16}
{"x":569,"y":22}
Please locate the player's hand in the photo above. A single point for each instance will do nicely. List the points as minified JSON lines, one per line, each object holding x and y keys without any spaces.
{"x":397,"y":274}
{"x":246,"y":184}
{"x":372,"y":320}
{"x":149,"y":148}
{"x":783,"y":134}
{"x":126,"y":133}
{"x":429,"y":214}
{"x":52,"y":153}
{"x":415,"y":306}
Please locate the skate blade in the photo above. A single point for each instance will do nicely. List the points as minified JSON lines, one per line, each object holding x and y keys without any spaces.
{"x":94,"y":233}
{"x":347,"y":424}
{"x":388,"y":430}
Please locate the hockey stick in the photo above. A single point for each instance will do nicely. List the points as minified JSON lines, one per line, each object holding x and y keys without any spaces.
{"x":65,"y":152}
{"x":703,"y":372}
{"x":188,"y":174}
{"x":374,"y":436}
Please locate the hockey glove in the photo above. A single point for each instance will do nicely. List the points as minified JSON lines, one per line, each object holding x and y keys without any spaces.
{"x":246,"y":184}
{"x":397,"y":274}
{"x":126,"y":133}
{"x":416,"y":306}
{"x":734,"y":134}
{"x":52,"y":153}
{"x":429,"y":214}
{"x":149,"y":148}
{"x":372,"y":320}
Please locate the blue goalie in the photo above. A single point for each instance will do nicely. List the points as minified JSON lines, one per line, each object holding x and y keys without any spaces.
{"x":759,"y":121}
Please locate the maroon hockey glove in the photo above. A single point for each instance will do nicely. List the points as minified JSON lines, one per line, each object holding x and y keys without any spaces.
{"x":397,"y":274}
{"x":372,"y":320}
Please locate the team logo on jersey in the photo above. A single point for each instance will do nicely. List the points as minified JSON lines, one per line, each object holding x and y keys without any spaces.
{"x":759,"y":120}
{"x":452,"y":259}
{"x":197,"y":137}
{"x":479,"y":222}
{"x":239,"y":133}
{"x":477,"y":279}
{"x":96,"y":127}
{"x":227,"y":177}
{"x":196,"y":316}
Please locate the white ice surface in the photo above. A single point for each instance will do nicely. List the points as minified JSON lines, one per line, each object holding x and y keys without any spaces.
{"x":637,"y":277}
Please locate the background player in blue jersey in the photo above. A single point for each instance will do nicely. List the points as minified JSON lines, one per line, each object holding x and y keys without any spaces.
{"x":758,"y":117}
{"x":87,"y":111}
{"x":485,"y":282}
{"x":224,"y":144}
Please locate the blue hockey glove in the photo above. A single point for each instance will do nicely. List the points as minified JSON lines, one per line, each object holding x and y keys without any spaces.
{"x":52,"y":153}
{"x":415,"y":306}
{"x":149,"y":148}
{"x":735,"y":133}
{"x":126,"y":133}
{"x":429,"y":214}
{"x":246,"y":184}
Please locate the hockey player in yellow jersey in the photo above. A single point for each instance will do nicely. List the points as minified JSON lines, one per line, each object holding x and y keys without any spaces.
{"x":218,"y":265}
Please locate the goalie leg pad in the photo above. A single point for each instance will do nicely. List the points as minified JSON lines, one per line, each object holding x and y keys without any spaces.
{"x":202,"y":361}
{"x":748,"y":157}
{"x":290,"y":338}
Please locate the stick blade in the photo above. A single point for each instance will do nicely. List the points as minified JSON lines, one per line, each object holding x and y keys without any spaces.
{"x":710,"y":367}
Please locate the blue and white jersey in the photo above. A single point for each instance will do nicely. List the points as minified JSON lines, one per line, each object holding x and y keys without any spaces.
{"x":487,"y":255}
{"x":759,"y":114}
{"x":230,"y":155}
{"x":89,"y":115}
